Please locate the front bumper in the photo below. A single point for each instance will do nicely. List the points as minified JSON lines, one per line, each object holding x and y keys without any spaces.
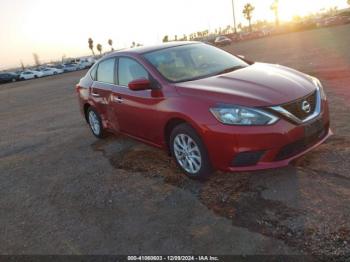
{"x":263,"y":147}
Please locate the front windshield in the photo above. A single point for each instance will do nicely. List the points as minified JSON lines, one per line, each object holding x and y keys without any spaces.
{"x":195,"y":61}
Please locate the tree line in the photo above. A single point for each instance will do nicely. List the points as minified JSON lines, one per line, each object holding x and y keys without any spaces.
{"x":99,"y":46}
{"x":110,"y":43}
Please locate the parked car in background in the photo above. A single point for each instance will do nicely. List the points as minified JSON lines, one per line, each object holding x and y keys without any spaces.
{"x":79,"y":66}
{"x":60,"y":67}
{"x":84,"y":64}
{"x":8,"y":77}
{"x":222,"y":41}
{"x":210,"y":109}
{"x":334,"y":20}
{"x":51,"y":71}
{"x":30,"y":74}
{"x":57,"y":70}
{"x":87,"y":62}
{"x":70,"y":67}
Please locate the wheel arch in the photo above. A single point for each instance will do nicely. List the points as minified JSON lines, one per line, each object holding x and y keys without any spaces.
{"x":85,"y":110}
{"x":171,"y":124}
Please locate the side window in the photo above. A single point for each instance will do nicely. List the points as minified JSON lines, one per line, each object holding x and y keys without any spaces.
{"x":129,"y":70}
{"x":93,"y":72}
{"x":105,"y":71}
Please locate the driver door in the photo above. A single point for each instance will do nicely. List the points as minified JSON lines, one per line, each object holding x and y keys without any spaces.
{"x":136,"y":111}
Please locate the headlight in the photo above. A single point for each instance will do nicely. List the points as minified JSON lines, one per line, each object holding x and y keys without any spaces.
{"x":244,"y":116}
{"x":318,"y":84}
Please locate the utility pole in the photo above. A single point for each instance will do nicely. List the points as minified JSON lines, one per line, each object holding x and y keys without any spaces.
{"x":234,"y":16}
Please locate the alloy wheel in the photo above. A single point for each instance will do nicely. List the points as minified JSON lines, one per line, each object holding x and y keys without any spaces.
{"x":187,"y":153}
{"x":94,"y":123}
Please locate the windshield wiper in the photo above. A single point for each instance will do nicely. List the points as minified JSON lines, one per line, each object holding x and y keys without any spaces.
{"x":228,"y":70}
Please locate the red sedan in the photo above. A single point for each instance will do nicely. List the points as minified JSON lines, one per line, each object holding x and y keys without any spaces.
{"x":209,"y":109}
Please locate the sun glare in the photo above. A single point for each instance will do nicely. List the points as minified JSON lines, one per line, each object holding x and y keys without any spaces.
{"x":289,"y":9}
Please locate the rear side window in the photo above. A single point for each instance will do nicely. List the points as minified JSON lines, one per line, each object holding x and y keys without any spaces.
{"x":105,"y":71}
{"x":93,"y":72}
{"x":129,"y":70}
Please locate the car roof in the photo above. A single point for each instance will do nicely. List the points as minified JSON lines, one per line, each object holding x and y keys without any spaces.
{"x":147,"y":49}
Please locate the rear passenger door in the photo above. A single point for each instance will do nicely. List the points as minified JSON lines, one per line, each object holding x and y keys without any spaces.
{"x":100,"y":92}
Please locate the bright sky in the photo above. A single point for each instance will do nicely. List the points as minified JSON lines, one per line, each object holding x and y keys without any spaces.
{"x":62,"y":27}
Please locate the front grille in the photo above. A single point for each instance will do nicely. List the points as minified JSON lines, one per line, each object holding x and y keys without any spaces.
{"x":300,"y":145}
{"x":295,"y":107}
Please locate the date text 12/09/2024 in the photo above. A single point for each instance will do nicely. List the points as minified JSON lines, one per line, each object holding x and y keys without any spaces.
{"x":174,"y":258}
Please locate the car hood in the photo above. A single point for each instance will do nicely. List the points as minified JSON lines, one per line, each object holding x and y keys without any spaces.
{"x":256,"y":85}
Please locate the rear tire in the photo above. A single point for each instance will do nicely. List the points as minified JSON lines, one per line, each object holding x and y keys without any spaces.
{"x":95,"y":123}
{"x":189,"y":152}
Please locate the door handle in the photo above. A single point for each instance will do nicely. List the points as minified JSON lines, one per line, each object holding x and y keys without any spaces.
{"x":95,"y":94}
{"x":118,"y":99}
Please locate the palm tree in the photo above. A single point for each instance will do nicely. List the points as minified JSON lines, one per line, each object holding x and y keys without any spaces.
{"x":99,"y":48}
{"x":248,"y":13}
{"x":36,"y":59}
{"x":274,"y":8}
{"x":22,"y":65}
{"x":110,"y":42}
{"x":91,"y":46}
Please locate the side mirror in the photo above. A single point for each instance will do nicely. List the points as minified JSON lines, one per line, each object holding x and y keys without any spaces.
{"x":139,"y":84}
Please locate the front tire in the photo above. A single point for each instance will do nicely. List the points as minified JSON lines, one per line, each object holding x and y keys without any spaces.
{"x":189,"y":152}
{"x":95,"y":123}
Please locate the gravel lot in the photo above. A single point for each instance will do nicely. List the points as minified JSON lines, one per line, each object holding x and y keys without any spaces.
{"x":64,"y":192}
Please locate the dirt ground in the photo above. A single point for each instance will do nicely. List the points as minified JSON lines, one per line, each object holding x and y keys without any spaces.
{"x":64,"y":192}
